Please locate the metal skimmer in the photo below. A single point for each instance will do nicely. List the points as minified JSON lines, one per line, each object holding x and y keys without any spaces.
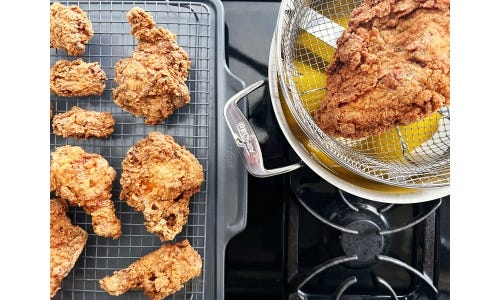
{"x":413,"y":156}
{"x":189,"y":126}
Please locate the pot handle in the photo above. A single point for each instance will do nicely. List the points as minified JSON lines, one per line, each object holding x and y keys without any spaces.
{"x":245,"y":138}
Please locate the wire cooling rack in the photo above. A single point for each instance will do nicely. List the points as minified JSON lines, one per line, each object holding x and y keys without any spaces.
{"x":189,"y":126}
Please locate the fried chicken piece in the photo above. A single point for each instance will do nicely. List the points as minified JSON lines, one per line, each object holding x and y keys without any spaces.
{"x":70,"y":29}
{"x":77,"y":78}
{"x":81,"y":123}
{"x":151,"y":83}
{"x":85,"y":180}
{"x":66,"y":244}
{"x":158,"y":179}
{"x":159,"y":273}
{"x":392,"y":67}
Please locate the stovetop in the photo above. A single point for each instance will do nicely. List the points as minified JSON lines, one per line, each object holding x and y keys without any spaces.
{"x":306,"y":239}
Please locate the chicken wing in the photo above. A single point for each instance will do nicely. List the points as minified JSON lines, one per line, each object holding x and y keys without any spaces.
{"x":159,"y":273}
{"x":85,"y":179}
{"x":158,"y":179}
{"x":151,"y":83}
{"x":81,"y":123}
{"x":66,"y":244}
{"x":70,"y":29}
{"x":392,"y":67}
{"x":77,"y":78}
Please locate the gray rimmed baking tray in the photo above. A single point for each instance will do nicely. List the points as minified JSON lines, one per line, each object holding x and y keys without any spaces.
{"x":218,"y":211}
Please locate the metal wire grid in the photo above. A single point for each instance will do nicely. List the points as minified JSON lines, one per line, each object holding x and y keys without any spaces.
{"x":382,"y":157}
{"x":339,"y":11}
{"x":189,"y":126}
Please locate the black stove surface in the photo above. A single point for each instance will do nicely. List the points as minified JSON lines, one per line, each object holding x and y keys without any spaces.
{"x":302,"y":233}
{"x":341,"y":244}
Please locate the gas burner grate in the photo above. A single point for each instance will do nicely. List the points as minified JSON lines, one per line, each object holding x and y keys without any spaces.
{"x":344,"y":247}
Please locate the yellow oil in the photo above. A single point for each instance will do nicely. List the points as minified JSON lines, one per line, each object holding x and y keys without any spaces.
{"x":315,"y":46}
{"x":338,"y":10}
{"x":311,"y":79}
{"x":388,"y":146}
{"x":418,"y":132}
{"x":310,"y":85}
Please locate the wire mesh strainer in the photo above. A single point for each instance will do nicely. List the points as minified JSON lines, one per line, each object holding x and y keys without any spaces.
{"x":413,"y":156}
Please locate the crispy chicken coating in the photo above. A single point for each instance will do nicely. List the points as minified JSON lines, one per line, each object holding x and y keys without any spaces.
{"x":66,"y":244}
{"x":77,"y":78}
{"x":151,"y":83}
{"x":392,"y":67}
{"x":159,"y":273}
{"x":85,"y":180}
{"x":81,"y":123}
{"x":158,"y":179}
{"x":70,"y":29}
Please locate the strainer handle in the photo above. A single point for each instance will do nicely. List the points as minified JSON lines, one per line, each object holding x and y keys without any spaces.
{"x":245,"y":138}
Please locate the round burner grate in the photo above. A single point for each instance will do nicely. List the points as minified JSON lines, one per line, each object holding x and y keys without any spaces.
{"x":366,"y":245}
{"x":358,"y":245}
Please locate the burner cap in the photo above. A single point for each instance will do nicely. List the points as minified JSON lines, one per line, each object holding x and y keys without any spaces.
{"x":367,"y":244}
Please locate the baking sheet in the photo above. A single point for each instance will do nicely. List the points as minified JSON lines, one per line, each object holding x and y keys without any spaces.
{"x":189,"y":126}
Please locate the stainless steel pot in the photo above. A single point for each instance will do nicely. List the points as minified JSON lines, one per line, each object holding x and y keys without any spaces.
{"x":335,"y":174}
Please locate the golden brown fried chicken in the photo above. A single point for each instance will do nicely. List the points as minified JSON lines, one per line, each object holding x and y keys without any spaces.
{"x":158,"y":179}
{"x":70,"y":29}
{"x":66,"y":244}
{"x":159,"y":273}
{"x":151,"y":83}
{"x":392,"y":67}
{"x":81,"y":123}
{"x":77,"y":78}
{"x":85,"y":179}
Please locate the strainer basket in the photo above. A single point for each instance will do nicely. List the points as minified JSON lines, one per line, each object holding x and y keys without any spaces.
{"x":412,"y":156}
